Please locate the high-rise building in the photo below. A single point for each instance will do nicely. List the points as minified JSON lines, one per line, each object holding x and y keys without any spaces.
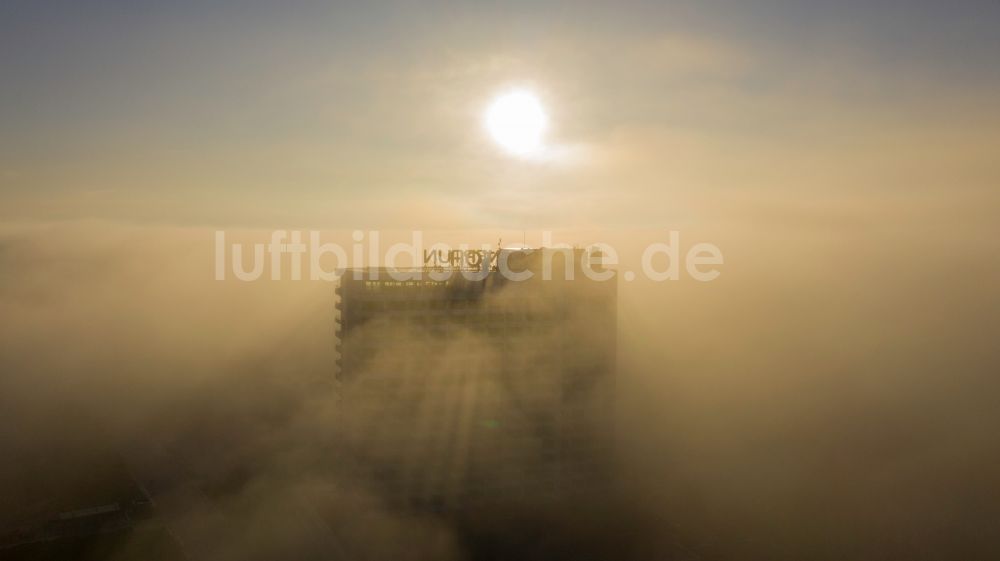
{"x":481,"y":377}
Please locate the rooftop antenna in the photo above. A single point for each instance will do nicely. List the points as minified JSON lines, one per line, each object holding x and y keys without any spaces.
{"x":496,"y":256}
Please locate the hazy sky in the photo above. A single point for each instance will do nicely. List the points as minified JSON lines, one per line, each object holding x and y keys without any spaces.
{"x":833,"y":391}
{"x":332,"y":115}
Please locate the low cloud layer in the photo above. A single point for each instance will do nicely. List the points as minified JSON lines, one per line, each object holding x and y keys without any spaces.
{"x":823,"y":395}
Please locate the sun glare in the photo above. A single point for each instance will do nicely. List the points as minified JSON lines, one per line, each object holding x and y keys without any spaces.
{"x":517,"y":122}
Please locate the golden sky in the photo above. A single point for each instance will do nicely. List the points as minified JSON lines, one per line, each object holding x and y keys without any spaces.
{"x":338,"y":116}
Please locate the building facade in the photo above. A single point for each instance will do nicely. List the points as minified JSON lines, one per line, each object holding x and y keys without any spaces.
{"x":480,"y":378}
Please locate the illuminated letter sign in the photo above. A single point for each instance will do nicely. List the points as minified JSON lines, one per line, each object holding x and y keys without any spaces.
{"x":473,"y":259}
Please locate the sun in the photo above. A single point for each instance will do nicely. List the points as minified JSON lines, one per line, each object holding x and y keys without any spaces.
{"x":517,"y":122}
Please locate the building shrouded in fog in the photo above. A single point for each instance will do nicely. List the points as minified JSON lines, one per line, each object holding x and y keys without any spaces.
{"x":480,"y":387}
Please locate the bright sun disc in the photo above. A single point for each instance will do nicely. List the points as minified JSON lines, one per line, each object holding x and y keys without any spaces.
{"x":517,"y":122}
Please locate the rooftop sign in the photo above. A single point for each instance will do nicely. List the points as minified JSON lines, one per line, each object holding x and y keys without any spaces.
{"x":460,"y":259}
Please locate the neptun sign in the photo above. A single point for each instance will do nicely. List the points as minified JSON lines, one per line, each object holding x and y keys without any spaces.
{"x":465,"y":259}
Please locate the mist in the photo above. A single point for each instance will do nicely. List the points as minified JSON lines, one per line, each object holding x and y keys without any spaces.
{"x":828,"y":396}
